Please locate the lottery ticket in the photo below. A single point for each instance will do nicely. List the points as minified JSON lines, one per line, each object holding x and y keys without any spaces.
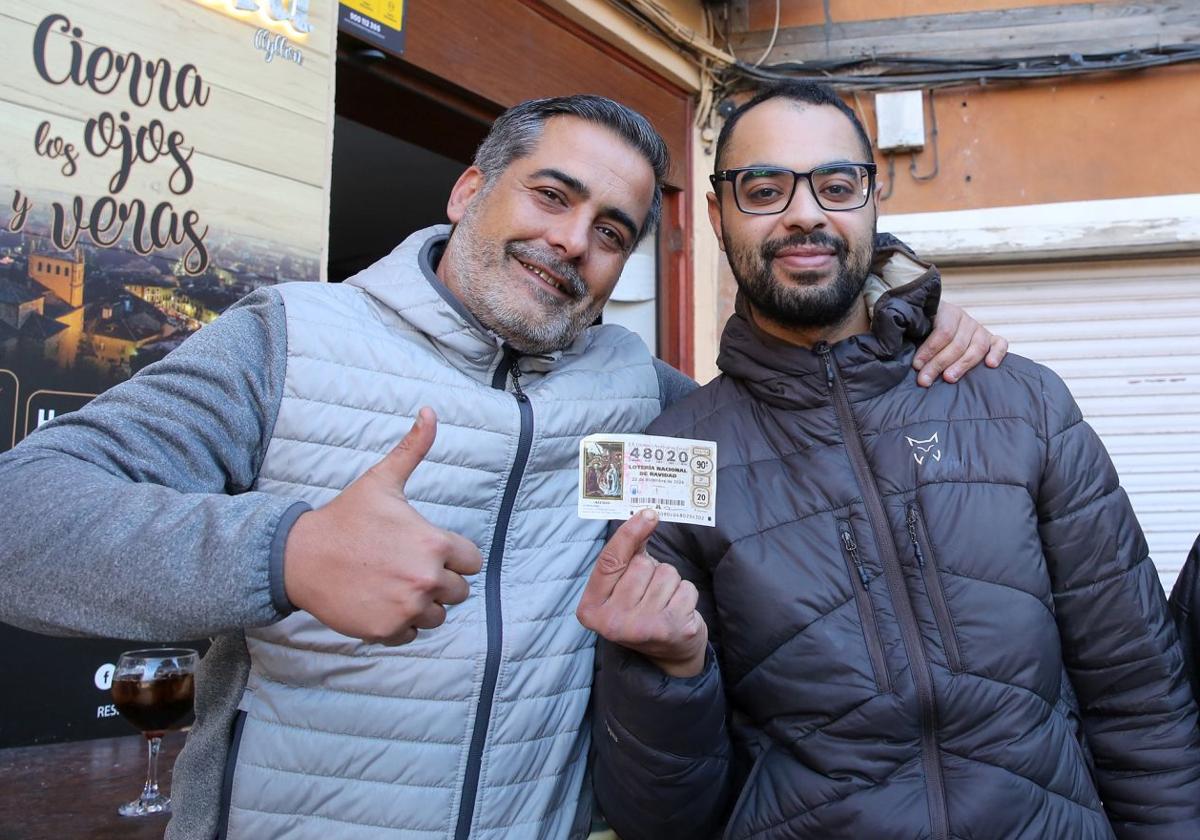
{"x":622,"y":474}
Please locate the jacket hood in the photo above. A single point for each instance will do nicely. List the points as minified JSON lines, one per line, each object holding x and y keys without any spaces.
{"x":788,"y":375}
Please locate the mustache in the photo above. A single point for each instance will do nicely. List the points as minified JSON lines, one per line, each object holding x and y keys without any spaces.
{"x":562,"y":269}
{"x":817,"y":239}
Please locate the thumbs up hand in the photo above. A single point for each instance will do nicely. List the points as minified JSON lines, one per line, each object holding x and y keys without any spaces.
{"x":368,"y":565}
{"x":633,"y":600}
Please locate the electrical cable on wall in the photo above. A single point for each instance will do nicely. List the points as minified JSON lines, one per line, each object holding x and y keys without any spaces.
{"x":882,"y":73}
{"x":933,"y":139}
{"x":722,"y":73}
{"x":659,"y":20}
{"x":886,"y":193}
{"x":774,"y":35}
{"x":701,"y":48}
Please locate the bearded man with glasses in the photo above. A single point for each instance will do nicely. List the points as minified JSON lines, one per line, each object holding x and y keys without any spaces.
{"x":921,"y":613}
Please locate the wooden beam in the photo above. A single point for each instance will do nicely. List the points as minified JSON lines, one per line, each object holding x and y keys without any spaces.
{"x":1099,"y":27}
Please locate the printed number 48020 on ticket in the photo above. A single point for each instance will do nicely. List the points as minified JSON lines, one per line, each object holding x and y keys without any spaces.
{"x":622,"y":474}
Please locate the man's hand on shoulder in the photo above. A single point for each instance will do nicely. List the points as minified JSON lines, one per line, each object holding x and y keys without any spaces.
{"x":634,"y":601}
{"x":957,"y":344}
{"x":368,"y":565}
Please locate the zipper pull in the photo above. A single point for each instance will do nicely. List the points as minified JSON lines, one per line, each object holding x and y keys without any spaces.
{"x":912,"y":535}
{"x":852,"y":549}
{"x":516,"y":379}
{"x":513,"y":361}
{"x":822,"y":348}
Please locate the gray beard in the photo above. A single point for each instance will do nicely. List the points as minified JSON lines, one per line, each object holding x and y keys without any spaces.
{"x":477,"y":264}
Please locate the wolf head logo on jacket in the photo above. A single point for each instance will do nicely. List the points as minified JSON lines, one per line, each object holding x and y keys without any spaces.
{"x":927,"y":448}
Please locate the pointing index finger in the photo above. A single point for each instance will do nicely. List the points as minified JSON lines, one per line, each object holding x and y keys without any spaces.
{"x":625,"y":543}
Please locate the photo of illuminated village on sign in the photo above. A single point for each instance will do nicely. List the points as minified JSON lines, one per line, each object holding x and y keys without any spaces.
{"x":84,"y":319}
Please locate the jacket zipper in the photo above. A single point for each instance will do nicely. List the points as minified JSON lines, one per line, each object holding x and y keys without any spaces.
{"x":933,"y":586}
{"x":860,"y":583}
{"x":495,"y":628}
{"x":909,"y":630}
{"x":235,"y":744}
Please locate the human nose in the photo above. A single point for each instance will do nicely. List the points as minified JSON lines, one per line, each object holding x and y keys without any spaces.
{"x":803,"y":211}
{"x":569,"y":234}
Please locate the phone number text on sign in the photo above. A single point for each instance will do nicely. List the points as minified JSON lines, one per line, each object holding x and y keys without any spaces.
{"x":366,"y":23}
{"x":622,"y":474}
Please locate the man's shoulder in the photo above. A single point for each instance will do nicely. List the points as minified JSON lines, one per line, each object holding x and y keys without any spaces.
{"x":673,"y":385}
{"x":1018,"y":388}
{"x":1017,"y":376}
{"x":335,"y":306}
{"x":310,"y":289}
{"x":695,"y":411}
{"x":602,"y":339}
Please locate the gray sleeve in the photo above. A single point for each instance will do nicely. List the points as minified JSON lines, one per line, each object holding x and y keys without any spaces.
{"x":132,"y":517}
{"x":672,"y":385}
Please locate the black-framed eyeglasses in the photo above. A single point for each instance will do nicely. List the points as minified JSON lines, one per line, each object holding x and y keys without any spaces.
{"x":767,"y":190}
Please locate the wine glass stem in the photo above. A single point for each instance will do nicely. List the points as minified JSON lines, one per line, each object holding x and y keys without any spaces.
{"x":150,"y":790}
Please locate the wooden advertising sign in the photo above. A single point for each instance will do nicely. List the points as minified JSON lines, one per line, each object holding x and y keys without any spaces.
{"x":159,"y":159}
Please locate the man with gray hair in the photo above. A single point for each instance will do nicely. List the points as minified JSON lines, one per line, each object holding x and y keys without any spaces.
{"x":395,"y":650}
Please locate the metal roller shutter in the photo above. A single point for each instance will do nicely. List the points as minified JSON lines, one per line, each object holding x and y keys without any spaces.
{"x":1126,"y":338}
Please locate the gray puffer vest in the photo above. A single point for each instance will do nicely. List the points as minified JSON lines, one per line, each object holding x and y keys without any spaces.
{"x":477,"y":726}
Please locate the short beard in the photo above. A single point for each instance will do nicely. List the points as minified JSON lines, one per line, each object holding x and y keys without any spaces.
{"x":477,"y":263}
{"x":803,"y":305}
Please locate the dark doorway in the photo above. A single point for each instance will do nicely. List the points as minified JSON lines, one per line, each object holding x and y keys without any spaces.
{"x":401,"y":139}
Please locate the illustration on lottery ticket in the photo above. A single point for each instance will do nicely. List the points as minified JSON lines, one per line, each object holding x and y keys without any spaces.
{"x":622,"y":474}
{"x":604,"y":467}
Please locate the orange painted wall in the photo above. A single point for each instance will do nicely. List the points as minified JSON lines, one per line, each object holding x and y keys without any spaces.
{"x":1122,"y":136}
{"x":1114,"y":136}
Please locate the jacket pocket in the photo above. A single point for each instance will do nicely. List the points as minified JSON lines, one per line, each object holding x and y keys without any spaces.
{"x":227,"y":780}
{"x":923,"y":549}
{"x":860,"y":581}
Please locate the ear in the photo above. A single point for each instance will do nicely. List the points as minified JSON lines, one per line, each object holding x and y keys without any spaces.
{"x":466,"y":188}
{"x":714,"y":218}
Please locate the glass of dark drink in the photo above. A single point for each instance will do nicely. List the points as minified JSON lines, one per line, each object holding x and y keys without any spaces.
{"x":153,"y":689}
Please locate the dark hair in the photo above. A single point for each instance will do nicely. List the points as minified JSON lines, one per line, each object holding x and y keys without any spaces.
{"x":809,"y":93}
{"x":515,"y":133}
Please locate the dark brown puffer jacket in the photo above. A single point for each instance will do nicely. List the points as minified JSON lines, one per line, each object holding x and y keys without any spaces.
{"x":907,"y":589}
